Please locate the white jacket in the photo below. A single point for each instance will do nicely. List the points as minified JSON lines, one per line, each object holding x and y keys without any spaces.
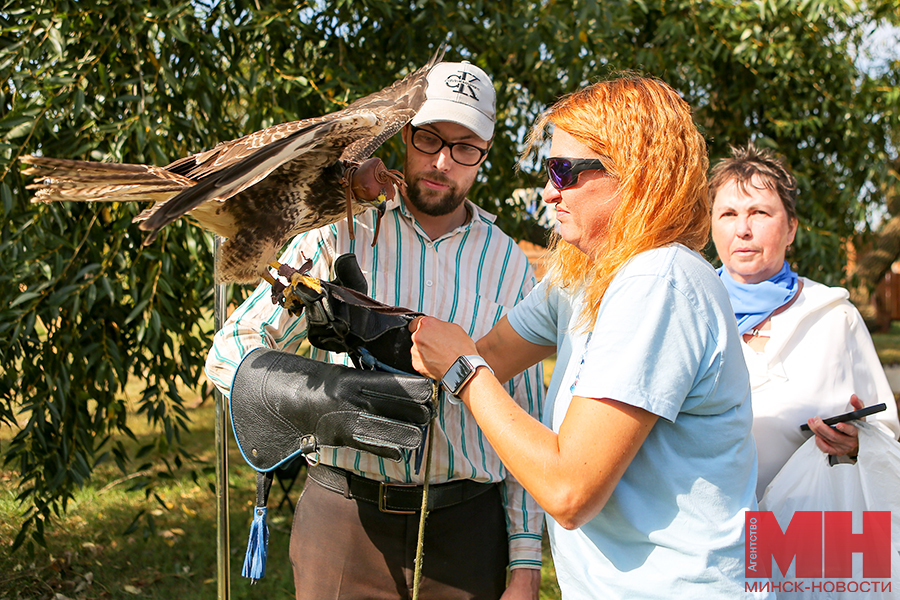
{"x":820,"y":353}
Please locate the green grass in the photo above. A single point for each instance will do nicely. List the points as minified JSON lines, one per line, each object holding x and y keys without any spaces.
{"x":888,"y":344}
{"x":90,"y":557}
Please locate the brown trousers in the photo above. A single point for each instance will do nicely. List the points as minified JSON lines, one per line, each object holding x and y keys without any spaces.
{"x":347,"y":549}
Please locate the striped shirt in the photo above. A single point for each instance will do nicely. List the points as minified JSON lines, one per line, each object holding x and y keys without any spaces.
{"x":470,"y":276}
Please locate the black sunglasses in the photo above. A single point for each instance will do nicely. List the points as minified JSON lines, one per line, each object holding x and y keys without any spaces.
{"x":429,"y":142}
{"x":564,"y":172}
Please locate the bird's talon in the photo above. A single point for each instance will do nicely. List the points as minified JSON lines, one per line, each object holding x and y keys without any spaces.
{"x":307,"y":281}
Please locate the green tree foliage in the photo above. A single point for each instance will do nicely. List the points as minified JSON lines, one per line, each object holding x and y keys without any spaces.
{"x":85,"y":308}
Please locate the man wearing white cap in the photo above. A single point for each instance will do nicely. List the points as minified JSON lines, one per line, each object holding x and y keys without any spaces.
{"x":441,"y":255}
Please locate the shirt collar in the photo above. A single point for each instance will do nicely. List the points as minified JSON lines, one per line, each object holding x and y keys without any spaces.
{"x":478,"y":217}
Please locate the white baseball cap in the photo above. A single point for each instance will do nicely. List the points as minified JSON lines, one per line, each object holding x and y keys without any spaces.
{"x":459,"y":93}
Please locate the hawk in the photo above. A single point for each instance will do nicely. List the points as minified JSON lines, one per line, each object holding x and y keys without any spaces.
{"x":262,"y":189}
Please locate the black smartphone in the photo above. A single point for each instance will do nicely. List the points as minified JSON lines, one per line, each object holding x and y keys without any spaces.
{"x":856,"y":414}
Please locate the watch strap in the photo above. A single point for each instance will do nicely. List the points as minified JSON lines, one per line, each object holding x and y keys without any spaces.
{"x":470,"y":363}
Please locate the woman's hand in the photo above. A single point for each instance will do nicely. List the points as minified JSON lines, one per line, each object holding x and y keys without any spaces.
{"x":844,"y":441}
{"x":436,"y":345}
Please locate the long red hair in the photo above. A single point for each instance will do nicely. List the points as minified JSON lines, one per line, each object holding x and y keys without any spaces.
{"x":660,"y":161}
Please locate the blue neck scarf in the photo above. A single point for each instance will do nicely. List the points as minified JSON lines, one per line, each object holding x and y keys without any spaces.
{"x":753,"y":303}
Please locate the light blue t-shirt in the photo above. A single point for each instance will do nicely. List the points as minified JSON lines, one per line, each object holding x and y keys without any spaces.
{"x":666,"y":341}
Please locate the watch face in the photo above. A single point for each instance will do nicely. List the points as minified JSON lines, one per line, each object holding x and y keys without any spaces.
{"x":457,"y":375}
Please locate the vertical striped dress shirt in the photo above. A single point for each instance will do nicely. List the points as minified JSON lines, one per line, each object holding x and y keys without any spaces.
{"x":470,"y":276}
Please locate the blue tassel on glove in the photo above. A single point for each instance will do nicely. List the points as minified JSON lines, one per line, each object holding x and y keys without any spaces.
{"x":255,"y":559}
{"x":258,"y":544}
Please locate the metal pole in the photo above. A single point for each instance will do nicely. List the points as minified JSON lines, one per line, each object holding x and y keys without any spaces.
{"x":223,"y":571}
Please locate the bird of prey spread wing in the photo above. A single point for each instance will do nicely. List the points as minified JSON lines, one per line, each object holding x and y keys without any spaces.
{"x":262,"y":189}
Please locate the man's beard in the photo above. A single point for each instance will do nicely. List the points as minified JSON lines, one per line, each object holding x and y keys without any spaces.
{"x":432,"y":203}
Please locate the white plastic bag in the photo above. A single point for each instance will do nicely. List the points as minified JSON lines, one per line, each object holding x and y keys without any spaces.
{"x":808,"y":482}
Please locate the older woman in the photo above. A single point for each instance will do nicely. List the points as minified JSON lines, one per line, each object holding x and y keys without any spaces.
{"x":646,"y":464}
{"x":805,"y":344}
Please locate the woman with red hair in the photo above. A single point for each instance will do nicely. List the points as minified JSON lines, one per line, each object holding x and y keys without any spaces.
{"x":644,"y":460}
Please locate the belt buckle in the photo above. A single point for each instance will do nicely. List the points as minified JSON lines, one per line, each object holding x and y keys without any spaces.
{"x":381,"y":501}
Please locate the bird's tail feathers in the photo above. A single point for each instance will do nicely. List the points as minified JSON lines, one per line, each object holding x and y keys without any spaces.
{"x":66,"y":179}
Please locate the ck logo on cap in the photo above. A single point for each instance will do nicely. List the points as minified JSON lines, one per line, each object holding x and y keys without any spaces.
{"x":462,"y":82}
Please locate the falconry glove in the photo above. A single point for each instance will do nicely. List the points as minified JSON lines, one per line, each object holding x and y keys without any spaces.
{"x":342,"y":318}
{"x":284,"y":404}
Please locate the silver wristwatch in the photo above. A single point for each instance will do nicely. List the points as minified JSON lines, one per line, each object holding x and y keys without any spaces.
{"x":460,"y":373}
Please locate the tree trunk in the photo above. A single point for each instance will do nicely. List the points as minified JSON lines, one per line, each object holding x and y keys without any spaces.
{"x":875,"y":262}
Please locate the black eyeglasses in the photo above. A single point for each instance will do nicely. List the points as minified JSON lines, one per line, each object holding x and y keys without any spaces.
{"x":431,"y":143}
{"x":564,"y":172}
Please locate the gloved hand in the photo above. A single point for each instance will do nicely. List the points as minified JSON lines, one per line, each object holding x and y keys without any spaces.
{"x":341,"y":318}
{"x":284,"y":404}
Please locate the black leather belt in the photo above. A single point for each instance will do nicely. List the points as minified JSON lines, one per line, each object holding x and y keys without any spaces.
{"x":399,"y":498}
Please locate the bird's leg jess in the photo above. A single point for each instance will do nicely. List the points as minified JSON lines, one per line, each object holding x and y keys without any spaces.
{"x":285,"y":294}
{"x":347,"y":182}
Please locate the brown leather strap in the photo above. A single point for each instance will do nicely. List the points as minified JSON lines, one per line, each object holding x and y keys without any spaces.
{"x":396,"y":497}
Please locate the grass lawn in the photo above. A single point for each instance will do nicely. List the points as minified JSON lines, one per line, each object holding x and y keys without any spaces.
{"x":888,"y":345}
{"x":89,"y":555}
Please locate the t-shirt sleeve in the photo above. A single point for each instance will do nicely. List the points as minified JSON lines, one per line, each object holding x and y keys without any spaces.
{"x":646,"y":348}
{"x":535,"y":318}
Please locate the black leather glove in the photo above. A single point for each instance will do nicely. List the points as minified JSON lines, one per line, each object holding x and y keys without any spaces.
{"x":284,"y":404}
{"x":341,"y":318}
